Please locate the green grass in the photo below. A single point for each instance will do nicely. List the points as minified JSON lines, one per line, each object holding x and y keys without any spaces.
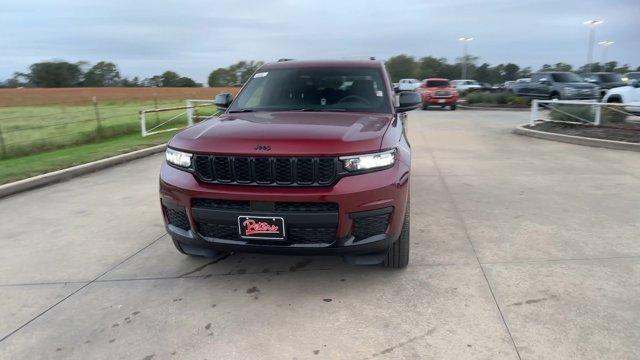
{"x":30,"y":130}
{"x":27,"y":166}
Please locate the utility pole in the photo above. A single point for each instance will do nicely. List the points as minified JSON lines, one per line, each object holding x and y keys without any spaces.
{"x":465,"y":40}
{"x":592,"y":35}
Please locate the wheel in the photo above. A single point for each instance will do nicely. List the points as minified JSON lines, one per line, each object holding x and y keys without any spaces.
{"x":425,"y":107}
{"x":554,"y":96}
{"x":453,"y":106}
{"x":398,"y":255}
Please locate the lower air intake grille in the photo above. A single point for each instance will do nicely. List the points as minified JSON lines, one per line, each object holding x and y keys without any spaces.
{"x":365,"y":227}
{"x":314,"y":235}
{"x":177,"y":218}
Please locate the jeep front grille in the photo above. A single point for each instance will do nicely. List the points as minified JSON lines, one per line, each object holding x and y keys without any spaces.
{"x":282,"y":171}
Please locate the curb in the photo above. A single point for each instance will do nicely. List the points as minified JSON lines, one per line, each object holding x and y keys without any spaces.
{"x":577,"y":140}
{"x":69,"y":173}
{"x":466,"y":107}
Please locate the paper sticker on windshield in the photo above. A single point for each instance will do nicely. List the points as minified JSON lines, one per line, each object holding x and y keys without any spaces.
{"x":260,"y":74}
{"x":379,"y":93}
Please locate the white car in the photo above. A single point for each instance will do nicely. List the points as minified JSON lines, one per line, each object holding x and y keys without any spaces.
{"x":408,"y":84}
{"x":465,"y":85}
{"x":627,"y":95}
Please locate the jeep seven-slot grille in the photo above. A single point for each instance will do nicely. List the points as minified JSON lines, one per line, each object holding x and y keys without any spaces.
{"x":283,"y":171}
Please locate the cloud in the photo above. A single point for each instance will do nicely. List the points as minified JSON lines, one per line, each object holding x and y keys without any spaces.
{"x":193,"y":37}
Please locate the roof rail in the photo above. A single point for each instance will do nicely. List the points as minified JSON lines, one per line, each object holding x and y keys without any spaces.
{"x":284,"y":59}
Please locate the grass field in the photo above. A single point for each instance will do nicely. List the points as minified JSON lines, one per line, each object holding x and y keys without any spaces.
{"x":27,"y":166}
{"x":27,"y":130}
{"x":37,"y":138}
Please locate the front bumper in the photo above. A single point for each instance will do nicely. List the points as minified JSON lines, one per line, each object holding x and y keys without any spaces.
{"x":367,"y":198}
{"x":446,"y":101}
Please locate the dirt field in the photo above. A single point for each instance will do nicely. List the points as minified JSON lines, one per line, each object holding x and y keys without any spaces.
{"x":40,"y":96}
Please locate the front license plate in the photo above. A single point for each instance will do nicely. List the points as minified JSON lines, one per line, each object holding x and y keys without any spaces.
{"x":261,"y":227}
{"x":441,"y":101}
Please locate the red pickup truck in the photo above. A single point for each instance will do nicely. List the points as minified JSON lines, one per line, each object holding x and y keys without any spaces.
{"x":438,"y":92}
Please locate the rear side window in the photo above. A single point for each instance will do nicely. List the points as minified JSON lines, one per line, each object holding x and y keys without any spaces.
{"x":342,"y":89}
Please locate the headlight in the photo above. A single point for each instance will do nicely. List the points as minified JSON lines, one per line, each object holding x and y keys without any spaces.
{"x":369,"y":161}
{"x":178,"y":158}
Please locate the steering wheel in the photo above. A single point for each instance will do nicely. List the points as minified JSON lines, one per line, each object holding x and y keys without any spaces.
{"x":355,"y":97}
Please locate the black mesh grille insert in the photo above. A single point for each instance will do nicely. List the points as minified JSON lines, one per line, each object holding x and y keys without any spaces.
{"x":262,"y":170}
{"x":177,"y":218}
{"x":284,"y":174}
{"x":315,"y":235}
{"x":220,"y":231}
{"x":242,"y":169}
{"x":305,"y":207}
{"x":203,"y":167}
{"x":369,"y":226}
{"x":221,"y":204}
{"x":222,"y":168}
{"x":326,"y":170}
{"x":303,"y":171}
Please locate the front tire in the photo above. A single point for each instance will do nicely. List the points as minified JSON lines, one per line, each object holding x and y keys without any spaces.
{"x":398,"y":255}
{"x":453,"y":107}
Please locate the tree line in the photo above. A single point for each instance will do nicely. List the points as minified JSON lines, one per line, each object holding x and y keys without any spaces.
{"x":408,"y":67}
{"x":104,"y":73}
{"x":57,"y":74}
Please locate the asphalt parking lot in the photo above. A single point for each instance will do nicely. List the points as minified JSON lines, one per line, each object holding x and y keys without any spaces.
{"x":521,"y":249}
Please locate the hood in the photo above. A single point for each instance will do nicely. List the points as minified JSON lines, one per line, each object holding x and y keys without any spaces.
{"x":286,"y":133}
{"x":580,"y":85}
{"x":611,"y":85}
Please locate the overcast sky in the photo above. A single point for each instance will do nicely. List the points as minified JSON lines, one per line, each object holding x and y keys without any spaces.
{"x":145,"y":37}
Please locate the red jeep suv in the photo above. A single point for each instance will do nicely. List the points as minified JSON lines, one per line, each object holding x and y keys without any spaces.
{"x":310,"y":158}
{"x":438,"y":92}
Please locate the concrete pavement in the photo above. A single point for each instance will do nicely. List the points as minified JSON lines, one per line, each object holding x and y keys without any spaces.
{"x":521,"y":249}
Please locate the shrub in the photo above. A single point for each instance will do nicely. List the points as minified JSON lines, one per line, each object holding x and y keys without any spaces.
{"x":573,"y":113}
{"x":500,"y":98}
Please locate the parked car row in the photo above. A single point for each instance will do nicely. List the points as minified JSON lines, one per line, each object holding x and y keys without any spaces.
{"x":542,"y":85}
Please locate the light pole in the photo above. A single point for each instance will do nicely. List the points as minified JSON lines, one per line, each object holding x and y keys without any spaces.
{"x":605,"y":48}
{"x":592,"y":34}
{"x":465,"y":40}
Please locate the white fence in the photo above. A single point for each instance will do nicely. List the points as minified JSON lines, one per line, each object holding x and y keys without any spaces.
{"x":190,"y":113}
{"x":592,"y":115}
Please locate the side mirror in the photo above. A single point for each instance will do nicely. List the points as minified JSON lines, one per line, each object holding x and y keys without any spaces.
{"x":223,"y":100}
{"x":408,"y":100}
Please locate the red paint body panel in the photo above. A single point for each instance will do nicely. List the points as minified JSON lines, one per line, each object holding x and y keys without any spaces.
{"x":288,"y":133}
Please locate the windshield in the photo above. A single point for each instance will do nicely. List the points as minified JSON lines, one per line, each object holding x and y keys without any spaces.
{"x":315,"y":89}
{"x":437,"y":83}
{"x":566,"y":77}
{"x":610,"y":77}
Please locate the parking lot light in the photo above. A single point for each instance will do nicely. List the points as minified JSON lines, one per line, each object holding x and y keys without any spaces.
{"x":592,"y":33}
{"x":605,"y":48}
{"x":465,"y":40}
